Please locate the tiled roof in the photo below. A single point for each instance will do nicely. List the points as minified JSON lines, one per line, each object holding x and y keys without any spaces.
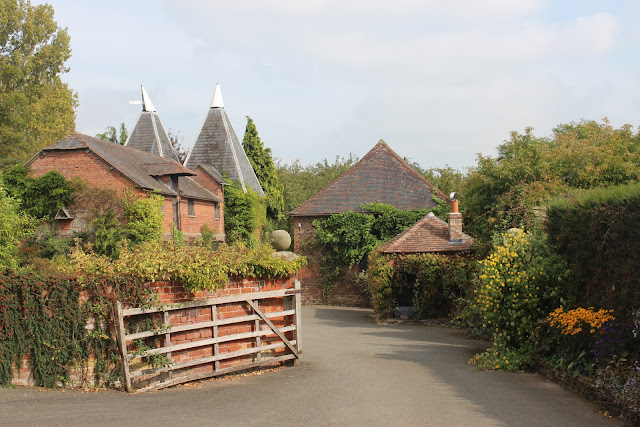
{"x":149,"y":135}
{"x":430,"y":234}
{"x":191,"y":189}
{"x":138,"y":166}
{"x":217,"y":145}
{"x":380,"y":176}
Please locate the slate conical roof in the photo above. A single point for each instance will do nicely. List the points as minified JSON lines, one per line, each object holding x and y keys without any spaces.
{"x":148,"y":134}
{"x":218,"y":145}
{"x":380,"y":176}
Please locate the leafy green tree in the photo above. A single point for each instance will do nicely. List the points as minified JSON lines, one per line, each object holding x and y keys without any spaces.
{"x":111,"y":134}
{"x":36,"y":107}
{"x":506,"y":191}
{"x":14,"y":226}
{"x":446,"y":179}
{"x":262,"y":163}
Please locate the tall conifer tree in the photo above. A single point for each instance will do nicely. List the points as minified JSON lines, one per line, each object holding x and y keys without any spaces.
{"x":262,"y":163}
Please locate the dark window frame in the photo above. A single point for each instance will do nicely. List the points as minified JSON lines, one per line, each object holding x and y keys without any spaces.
{"x":191,"y":208}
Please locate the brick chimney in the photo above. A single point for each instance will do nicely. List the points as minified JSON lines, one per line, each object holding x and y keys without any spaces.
{"x":455,"y":223}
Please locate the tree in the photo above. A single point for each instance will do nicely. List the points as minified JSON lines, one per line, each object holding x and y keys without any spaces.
{"x":262,"y":163}
{"x":14,"y":226}
{"x":505,"y":191}
{"x":177,"y":141}
{"x":111,"y":134}
{"x":446,"y":179}
{"x":36,"y":107}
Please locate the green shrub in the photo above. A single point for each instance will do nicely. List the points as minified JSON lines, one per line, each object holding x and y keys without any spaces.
{"x":14,"y":226}
{"x":108,"y":232}
{"x":197,"y":267}
{"x":597,"y":233}
{"x":40,"y":197}
{"x":244,"y":214}
{"x":144,"y":218}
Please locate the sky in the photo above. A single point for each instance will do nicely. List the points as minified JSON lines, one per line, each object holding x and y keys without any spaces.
{"x":439,"y":81}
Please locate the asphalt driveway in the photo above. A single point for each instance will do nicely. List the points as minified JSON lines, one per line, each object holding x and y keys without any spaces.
{"x":353,"y":372}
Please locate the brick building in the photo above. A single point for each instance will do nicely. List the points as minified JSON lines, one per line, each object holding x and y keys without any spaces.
{"x":380,"y":176}
{"x":191,"y":198}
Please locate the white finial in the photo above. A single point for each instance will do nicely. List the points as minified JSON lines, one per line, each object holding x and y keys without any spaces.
{"x":217,"y":98}
{"x":146,"y":101}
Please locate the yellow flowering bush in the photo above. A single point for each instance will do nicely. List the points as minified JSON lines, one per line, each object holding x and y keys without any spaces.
{"x":518,"y":285}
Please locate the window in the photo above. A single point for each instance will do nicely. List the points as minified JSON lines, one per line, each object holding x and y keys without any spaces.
{"x":216,"y":206}
{"x":191,"y":207}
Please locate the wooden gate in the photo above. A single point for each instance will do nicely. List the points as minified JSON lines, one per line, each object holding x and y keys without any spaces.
{"x":168,"y":345}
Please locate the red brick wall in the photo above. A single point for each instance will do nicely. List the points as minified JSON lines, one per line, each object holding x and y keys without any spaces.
{"x":344,"y":292}
{"x":204,"y":214}
{"x":174,"y":292}
{"x":85,"y":165}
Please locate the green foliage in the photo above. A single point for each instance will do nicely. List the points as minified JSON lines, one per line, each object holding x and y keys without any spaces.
{"x":596,"y":232}
{"x":14,"y":226}
{"x":432,"y":282}
{"x":244,"y":214}
{"x":207,"y":236}
{"x":520,"y":283}
{"x":503,"y":192}
{"x":197,"y":267}
{"x":111,"y":134}
{"x":44,"y":317}
{"x":349,"y":237}
{"x":142,"y":221}
{"x":108,"y":234}
{"x":144,"y":218}
{"x":262,"y":162}
{"x":36,"y":107}
{"x":446,"y":179}
{"x":40,"y":197}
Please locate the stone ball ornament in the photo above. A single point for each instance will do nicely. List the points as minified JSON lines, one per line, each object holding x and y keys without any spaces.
{"x":280,"y":240}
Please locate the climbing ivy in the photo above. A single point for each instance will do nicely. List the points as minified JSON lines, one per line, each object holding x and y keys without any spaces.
{"x":347,"y":238}
{"x":58,"y":322}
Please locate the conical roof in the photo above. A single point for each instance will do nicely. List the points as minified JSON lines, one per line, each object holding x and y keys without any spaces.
{"x":380,"y":176}
{"x":218,"y":145}
{"x":148,"y":134}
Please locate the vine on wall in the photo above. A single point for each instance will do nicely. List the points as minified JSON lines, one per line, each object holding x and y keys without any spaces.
{"x":59,"y":322}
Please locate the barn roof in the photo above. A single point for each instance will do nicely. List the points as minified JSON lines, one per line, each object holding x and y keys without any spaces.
{"x":138,"y":166}
{"x":380,"y":176}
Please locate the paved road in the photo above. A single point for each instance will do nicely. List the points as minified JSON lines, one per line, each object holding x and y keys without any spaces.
{"x":354,"y":373}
